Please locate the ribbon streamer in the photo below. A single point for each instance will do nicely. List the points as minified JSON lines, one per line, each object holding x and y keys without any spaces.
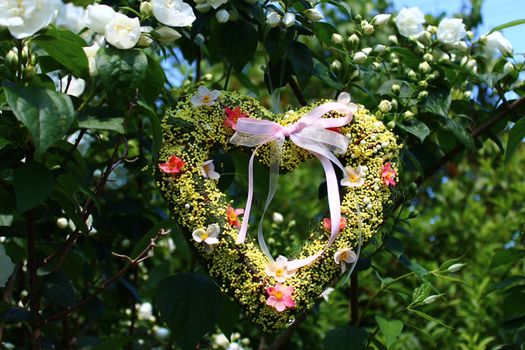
{"x":310,"y":133}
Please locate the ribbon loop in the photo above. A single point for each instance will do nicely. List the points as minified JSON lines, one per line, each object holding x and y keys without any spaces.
{"x":310,"y":133}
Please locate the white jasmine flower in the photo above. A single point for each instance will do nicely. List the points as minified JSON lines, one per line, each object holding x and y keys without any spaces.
{"x":24,"y":18}
{"x":98,"y":16}
{"x":71,"y":17}
{"x":313,"y":15}
{"x":72,"y":86}
{"x":381,"y":19}
{"x":451,"y":30}
{"x":91,"y":54}
{"x":354,"y":177}
{"x":278,"y":269}
{"x":145,"y":311}
{"x":162,"y":334}
{"x":123,"y":32}
{"x":208,"y":236}
{"x":208,"y":170}
{"x":222,"y":16}
{"x":273,"y":19}
{"x":174,"y":13}
{"x":508,"y":67}
{"x":344,"y":256}
{"x":288,"y":19}
{"x":167,"y":35}
{"x":145,"y":8}
{"x":6,"y":267}
{"x":337,"y":38}
{"x":89,"y":224}
{"x":496,"y":42}
{"x":409,"y":22}
{"x":205,"y":97}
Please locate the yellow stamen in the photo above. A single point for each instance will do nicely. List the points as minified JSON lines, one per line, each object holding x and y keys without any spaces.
{"x":279,"y":272}
{"x":204,"y":236}
{"x":206,"y":99}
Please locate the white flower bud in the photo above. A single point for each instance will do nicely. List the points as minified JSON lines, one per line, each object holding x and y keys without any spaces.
{"x":425,"y":37}
{"x":360,"y":57}
{"x":145,"y":8}
{"x":368,"y":29}
{"x":422,"y":95}
{"x":222,"y":16}
{"x":335,"y":65}
{"x":379,"y":48}
{"x":508,"y":67}
{"x":424,"y":67}
{"x":455,"y":267}
{"x":412,"y":75}
{"x":203,"y":7}
{"x":313,"y":15}
{"x":470,"y":34}
{"x":381,"y":19}
{"x":444,"y":57}
{"x":12,"y":59}
{"x":62,"y":223}
{"x":393,"y":39}
{"x":385,"y":106}
{"x":166,"y":35}
{"x":462,"y":46}
{"x":273,"y":19}
{"x":408,"y":114}
{"x":367,"y":50}
{"x":353,"y":40}
{"x":337,"y":39}
{"x":422,"y":84}
{"x":430,"y":299}
{"x":472,"y":65}
{"x":428,"y":57}
{"x":288,"y":19}
{"x":277,"y":217}
{"x":395,"y":88}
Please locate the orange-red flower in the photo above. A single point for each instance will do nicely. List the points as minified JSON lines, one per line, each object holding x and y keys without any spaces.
{"x":232,"y":116}
{"x":327,"y":223}
{"x":388,"y":174}
{"x":233,"y":216}
{"x":172,"y":166}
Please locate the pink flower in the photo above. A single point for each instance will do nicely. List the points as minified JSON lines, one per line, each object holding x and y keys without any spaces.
{"x":327,"y":223}
{"x":172,"y":166}
{"x":232,"y":116}
{"x":233,"y":216}
{"x":388,"y":174}
{"x":280,"y":297}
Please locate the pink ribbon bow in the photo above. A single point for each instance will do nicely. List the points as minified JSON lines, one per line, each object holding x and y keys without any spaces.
{"x":310,"y":132}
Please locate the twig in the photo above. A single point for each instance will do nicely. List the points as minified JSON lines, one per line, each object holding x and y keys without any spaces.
{"x":198,"y":72}
{"x":131,"y":263}
{"x":297,"y":92}
{"x":88,"y":207}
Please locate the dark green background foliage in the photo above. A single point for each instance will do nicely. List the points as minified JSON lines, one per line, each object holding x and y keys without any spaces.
{"x":446,"y":271}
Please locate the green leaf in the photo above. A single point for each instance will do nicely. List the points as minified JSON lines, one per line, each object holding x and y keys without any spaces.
{"x":507,"y":256}
{"x":326,"y":76}
{"x":343,"y":6}
{"x":421,"y":293}
{"x":156,"y":130}
{"x":406,"y":90}
{"x":66,"y":50}
{"x":429,"y":318}
{"x":346,"y":338}
{"x":121,"y":71}
{"x":113,"y":124}
{"x":394,"y":245}
{"x":459,"y":132}
{"x":45,"y":113}
{"x":324,"y":32}
{"x":190,"y":305}
{"x":413,"y":266}
{"x":516,"y":135}
{"x":59,"y":289}
{"x":391,"y":329}
{"x":301,"y":62}
{"x":514,"y":23}
{"x":236,"y":41}
{"x":416,"y":128}
{"x":153,"y":81}
{"x":33,"y":183}
{"x":504,"y":284}
{"x":438,"y":102}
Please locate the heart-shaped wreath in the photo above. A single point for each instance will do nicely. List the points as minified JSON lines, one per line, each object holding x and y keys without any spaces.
{"x":272,"y":292}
